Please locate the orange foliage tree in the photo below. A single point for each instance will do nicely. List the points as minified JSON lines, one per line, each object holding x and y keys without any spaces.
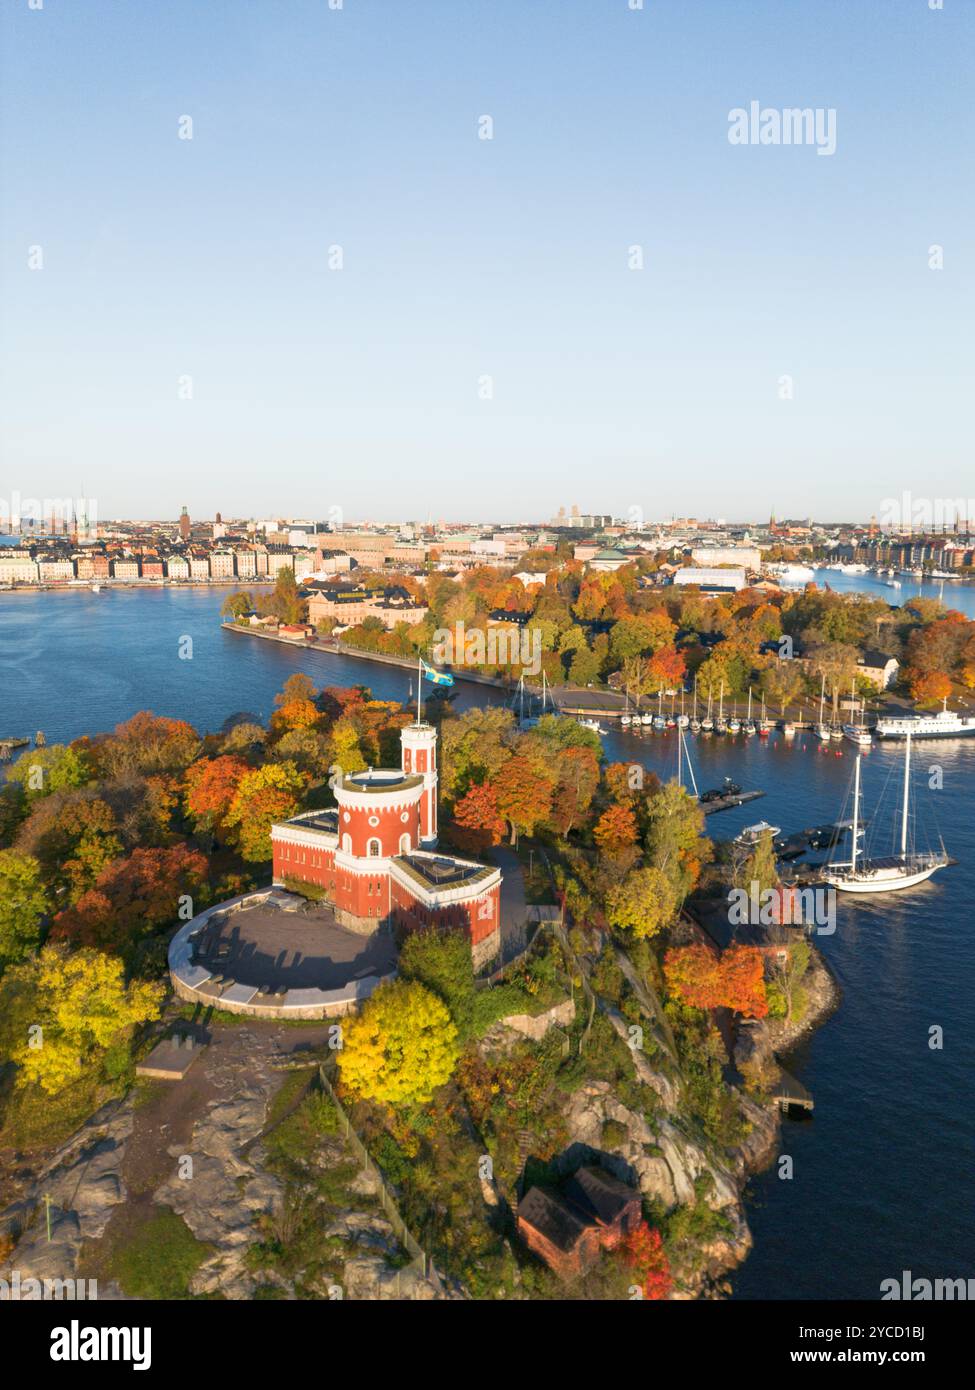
{"x":209,"y":788}
{"x":477,"y":817}
{"x":615,"y":831}
{"x":698,"y":977}
{"x":132,"y":897}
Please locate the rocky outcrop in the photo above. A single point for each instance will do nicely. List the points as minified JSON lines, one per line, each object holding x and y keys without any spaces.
{"x":83,"y":1180}
{"x":535,"y":1026}
{"x":663,"y":1161}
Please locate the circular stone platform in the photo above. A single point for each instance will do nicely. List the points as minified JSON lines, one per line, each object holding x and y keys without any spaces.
{"x":274,"y":954}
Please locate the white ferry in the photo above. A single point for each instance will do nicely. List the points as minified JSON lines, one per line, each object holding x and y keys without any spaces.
{"x":944,"y":724}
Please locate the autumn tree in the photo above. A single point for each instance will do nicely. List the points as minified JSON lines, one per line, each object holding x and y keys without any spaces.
{"x":477,"y":816}
{"x":643,"y":1253}
{"x":643,"y":904}
{"x":523,"y":791}
{"x":60,"y":1011}
{"x":147,"y":743}
{"x":693,"y":976}
{"x":743,"y":981}
{"x":616,"y":830}
{"x":264,"y":795}
{"x":209,"y":788}
{"x":236,"y":606}
{"x":75,"y":836}
{"x":23,"y":904}
{"x":132,"y":898}
{"x":401,"y":1048}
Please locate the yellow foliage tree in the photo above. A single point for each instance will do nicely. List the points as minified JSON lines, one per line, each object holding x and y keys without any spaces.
{"x":401,"y":1047}
{"x":77,"y":1004}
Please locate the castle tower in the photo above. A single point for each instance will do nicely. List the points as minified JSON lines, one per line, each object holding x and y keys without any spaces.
{"x":419,"y":743}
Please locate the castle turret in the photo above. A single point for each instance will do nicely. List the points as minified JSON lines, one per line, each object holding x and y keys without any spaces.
{"x":419,"y":743}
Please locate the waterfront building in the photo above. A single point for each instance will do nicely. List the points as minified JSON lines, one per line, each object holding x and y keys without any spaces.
{"x":178,"y":567}
{"x":350,"y":604}
{"x":125,"y":569}
{"x":221,"y":564}
{"x":199,"y":567}
{"x":55,"y":571}
{"x":246,"y":563}
{"x":18,"y":568}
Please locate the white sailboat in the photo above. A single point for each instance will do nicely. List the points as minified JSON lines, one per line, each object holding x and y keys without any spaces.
{"x":870,"y":874}
{"x":822,"y":728}
{"x":856,"y":732}
{"x":749,"y":725}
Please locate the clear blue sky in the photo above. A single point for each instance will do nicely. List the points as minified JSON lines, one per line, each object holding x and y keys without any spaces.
{"x":358,"y":389}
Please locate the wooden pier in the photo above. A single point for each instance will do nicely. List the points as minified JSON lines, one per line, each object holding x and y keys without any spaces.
{"x":789,"y":1092}
{"x":728,"y":803}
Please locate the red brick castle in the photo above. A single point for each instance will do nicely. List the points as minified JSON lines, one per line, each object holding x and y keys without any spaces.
{"x":375,"y":858}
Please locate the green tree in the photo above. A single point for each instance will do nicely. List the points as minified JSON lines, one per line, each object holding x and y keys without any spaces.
{"x":41,"y":771}
{"x":23,"y":904}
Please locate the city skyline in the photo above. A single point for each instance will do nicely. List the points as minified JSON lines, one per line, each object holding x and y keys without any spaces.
{"x":177,"y":323}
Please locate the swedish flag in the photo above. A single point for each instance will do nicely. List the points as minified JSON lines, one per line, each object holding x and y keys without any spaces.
{"x":437,"y":677}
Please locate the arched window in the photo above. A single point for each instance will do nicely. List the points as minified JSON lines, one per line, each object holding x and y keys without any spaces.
{"x":374,"y":849}
{"x":347,"y":843}
{"x":404,"y":844}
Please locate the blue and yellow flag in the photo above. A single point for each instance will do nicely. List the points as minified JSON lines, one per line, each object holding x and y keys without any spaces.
{"x":437,"y":677}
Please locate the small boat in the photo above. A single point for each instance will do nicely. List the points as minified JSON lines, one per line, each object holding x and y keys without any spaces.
{"x":764,"y":724}
{"x":96,"y":588}
{"x":646,"y":719}
{"x":753,"y":833}
{"x":659,"y":722}
{"x":695,"y":726}
{"x":836,"y":732}
{"x":683,"y":721}
{"x":625,"y":720}
{"x":748,"y":727}
{"x":671,"y":722}
{"x":856,"y":731}
{"x":857,"y":734}
{"x":720,"y":724}
{"x":734,"y":725}
{"x":707,"y":723}
{"x":788,"y":728}
{"x":592,"y":724}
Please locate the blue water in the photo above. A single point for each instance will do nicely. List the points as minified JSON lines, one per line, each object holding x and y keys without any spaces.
{"x":883,"y":1170}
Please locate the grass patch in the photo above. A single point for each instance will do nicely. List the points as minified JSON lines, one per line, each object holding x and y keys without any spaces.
{"x":32,"y":1119}
{"x":159,"y":1257}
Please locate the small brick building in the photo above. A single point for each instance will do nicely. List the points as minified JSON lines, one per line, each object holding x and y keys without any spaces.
{"x":569,"y":1229}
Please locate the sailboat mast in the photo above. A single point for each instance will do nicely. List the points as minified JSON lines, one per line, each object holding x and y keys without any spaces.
{"x":856,"y":814}
{"x":907,"y":793}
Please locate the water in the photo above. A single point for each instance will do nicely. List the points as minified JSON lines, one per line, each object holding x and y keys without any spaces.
{"x":882,"y":1170}
{"x":953,"y":593}
{"x":73,"y":662}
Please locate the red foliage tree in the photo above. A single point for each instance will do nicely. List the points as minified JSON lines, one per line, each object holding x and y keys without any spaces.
{"x":644,"y":1253}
